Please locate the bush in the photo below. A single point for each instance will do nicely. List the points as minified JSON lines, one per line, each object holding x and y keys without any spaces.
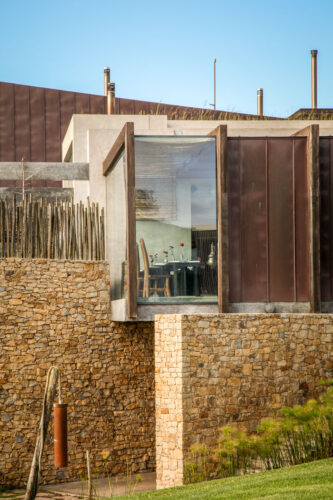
{"x":301,"y":434}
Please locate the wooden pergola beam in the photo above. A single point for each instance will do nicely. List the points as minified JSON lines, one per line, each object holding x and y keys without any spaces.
{"x":115,"y":150}
{"x":50,"y":171}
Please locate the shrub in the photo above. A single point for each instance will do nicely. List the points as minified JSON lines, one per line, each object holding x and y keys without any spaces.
{"x":301,"y":434}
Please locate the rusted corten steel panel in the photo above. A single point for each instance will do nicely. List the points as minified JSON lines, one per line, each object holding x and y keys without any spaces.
{"x":268,"y":220}
{"x":52,"y":125}
{"x":33,"y":120}
{"x":7,"y":122}
{"x":326,"y":217}
{"x":22,"y":117}
{"x":37,"y":125}
{"x":234,"y":213}
{"x":281,"y":220}
{"x":301,"y":222}
{"x":253,"y":220}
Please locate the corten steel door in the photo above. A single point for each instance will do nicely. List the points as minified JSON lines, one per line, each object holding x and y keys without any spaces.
{"x":268,"y":220}
{"x":326,"y":217}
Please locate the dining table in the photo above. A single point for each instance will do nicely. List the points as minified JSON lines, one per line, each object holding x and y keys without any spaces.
{"x":180,"y":271}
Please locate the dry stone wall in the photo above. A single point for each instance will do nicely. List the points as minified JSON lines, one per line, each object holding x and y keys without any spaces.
{"x":217,"y":369}
{"x":58,"y":313}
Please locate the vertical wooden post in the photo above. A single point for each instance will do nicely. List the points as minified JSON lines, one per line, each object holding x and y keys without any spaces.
{"x":131,"y":221}
{"x":49,"y":395}
{"x":222,"y":218}
{"x":312,"y":150}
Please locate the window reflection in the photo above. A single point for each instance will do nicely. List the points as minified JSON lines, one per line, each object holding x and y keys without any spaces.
{"x":175,"y":181}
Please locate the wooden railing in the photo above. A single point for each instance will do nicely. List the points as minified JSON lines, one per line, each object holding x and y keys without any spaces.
{"x":51,"y":230}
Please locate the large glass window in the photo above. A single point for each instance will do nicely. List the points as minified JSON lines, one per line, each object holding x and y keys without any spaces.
{"x":116,"y":234}
{"x":175,"y":180}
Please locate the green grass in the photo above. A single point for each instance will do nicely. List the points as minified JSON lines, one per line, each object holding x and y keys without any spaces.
{"x":312,"y":481}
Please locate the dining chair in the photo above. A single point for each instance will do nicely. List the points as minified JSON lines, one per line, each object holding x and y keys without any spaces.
{"x":140,"y":274}
{"x":151,"y":281}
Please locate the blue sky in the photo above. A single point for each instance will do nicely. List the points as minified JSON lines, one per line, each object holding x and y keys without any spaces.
{"x":164,"y":51}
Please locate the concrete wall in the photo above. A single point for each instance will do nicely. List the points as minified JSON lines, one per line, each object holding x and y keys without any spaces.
{"x":90,"y":137}
{"x":58,"y":313}
{"x":217,"y":369}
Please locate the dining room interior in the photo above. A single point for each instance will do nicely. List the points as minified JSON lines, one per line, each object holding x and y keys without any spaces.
{"x":176,"y":230}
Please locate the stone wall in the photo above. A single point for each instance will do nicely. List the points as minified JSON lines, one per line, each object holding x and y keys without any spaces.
{"x":58,"y":313}
{"x":211,"y":370}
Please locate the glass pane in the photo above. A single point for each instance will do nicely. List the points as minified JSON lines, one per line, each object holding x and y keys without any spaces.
{"x":175,"y":180}
{"x":116,"y":233}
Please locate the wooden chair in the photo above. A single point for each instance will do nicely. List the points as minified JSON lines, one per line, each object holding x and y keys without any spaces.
{"x":140,"y":274}
{"x":151,"y":281}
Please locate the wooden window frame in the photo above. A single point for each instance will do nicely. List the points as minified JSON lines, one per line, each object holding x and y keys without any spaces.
{"x":125,"y":142}
{"x":312,"y":136}
{"x":221,"y":135}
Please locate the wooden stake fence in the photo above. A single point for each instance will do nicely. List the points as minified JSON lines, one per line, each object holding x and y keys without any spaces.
{"x":51,"y":230}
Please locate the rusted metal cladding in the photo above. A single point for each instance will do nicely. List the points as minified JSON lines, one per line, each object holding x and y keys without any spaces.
{"x":60,"y":435}
{"x":268,"y":220}
{"x":33,"y":120}
{"x":326,"y":217}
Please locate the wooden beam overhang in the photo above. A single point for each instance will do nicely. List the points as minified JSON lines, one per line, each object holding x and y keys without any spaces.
{"x":116,"y":149}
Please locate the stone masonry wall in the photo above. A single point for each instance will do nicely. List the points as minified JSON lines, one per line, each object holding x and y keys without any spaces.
{"x":211,"y":370}
{"x":58,"y":313}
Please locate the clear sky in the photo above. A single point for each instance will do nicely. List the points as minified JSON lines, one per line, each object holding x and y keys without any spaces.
{"x":164,"y":51}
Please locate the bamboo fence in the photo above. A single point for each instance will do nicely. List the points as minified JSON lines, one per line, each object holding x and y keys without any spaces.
{"x":51,"y":230}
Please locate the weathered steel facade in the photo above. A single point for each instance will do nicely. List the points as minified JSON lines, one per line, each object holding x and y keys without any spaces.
{"x":326,"y":217}
{"x":267,"y":188}
{"x":33,"y":120}
{"x":268,"y":220}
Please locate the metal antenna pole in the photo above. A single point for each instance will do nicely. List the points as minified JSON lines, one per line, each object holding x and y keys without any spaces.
{"x":214,"y":84}
{"x":214,"y":104}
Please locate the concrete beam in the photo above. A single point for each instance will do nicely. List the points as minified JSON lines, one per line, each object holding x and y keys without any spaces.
{"x":50,"y":194}
{"x":12,"y":171}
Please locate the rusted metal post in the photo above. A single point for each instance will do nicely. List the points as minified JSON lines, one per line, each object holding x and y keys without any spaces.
{"x":111,"y":104}
{"x":60,"y":434}
{"x":314,"y":77}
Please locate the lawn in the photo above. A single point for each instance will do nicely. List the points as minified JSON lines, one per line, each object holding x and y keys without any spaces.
{"x":312,"y":481}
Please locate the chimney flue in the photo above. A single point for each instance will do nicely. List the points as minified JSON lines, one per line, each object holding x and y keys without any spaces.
{"x":111,"y":99}
{"x":106,"y":80}
{"x":314,"y":77}
{"x":260,"y":102}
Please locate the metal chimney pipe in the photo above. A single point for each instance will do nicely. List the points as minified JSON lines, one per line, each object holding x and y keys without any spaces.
{"x":260,"y":102}
{"x":111,"y":99}
{"x":314,"y":77}
{"x":106,"y":80}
